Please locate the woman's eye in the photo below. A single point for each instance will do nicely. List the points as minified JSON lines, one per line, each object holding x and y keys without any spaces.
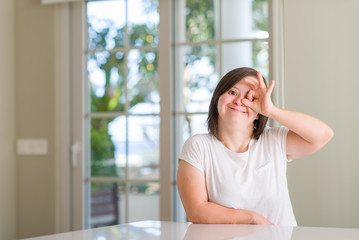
{"x":231,"y":92}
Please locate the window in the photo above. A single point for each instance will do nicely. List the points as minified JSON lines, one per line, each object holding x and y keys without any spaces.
{"x":136,"y":114}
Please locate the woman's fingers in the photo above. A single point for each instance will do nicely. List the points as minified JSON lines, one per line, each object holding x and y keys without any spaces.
{"x":271,"y":87}
{"x":259,"y":98}
{"x":263,"y":85}
{"x":252,"y":82}
{"x":250,"y":101}
{"x":250,"y":95}
{"x":247,"y":103}
{"x":261,"y":80}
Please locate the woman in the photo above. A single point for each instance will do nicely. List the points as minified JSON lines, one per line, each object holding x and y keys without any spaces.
{"x":237,"y":172}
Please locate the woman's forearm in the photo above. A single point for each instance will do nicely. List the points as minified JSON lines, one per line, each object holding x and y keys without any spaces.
{"x":214,"y":213}
{"x":309,"y":128}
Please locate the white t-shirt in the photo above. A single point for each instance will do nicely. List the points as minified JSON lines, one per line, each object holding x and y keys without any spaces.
{"x":254,"y":180}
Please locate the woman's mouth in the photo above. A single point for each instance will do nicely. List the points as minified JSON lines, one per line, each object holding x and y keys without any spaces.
{"x":238,"y":110}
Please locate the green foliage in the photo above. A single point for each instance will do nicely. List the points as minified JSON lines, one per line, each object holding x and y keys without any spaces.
{"x":138,"y":187}
{"x":200,"y":20}
{"x":142,"y":35}
{"x":260,"y":14}
{"x":200,"y":26}
{"x":113,"y":97}
{"x":260,"y":18}
{"x":102,"y":149}
{"x":148,"y":81}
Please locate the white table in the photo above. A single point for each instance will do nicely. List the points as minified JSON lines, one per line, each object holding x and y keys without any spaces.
{"x":148,"y":230}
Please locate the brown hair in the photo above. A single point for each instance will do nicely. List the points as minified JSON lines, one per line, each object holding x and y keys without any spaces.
{"x":226,"y":83}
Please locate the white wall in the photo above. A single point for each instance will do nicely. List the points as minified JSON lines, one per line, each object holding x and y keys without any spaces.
{"x":321,"y":77}
{"x":7,"y":113}
{"x":35,"y":116}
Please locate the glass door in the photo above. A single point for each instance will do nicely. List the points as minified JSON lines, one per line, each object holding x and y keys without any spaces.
{"x":122,"y":117}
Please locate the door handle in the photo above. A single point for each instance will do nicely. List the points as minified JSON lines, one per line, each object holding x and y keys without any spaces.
{"x":75,"y":149}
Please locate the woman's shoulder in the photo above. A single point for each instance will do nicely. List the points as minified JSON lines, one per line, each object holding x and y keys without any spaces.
{"x":201,"y":141}
{"x":270,"y":132}
{"x":273,"y":142}
{"x":200,"y":138}
{"x":194,"y":148}
{"x":273,"y":134}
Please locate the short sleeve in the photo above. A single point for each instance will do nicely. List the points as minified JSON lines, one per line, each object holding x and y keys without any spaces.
{"x":192,"y":152}
{"x":283,"y":136}
{"x":278,"y":136}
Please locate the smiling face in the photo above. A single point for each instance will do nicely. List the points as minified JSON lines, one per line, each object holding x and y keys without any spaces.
{"x":230,"y":108}
{"x":227,"y":82}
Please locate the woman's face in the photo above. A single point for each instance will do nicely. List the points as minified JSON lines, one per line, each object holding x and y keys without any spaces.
{"x":230,"y":107}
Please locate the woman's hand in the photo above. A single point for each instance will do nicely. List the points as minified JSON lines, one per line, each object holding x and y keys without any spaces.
{"x":259,"y":99}
{"x":260,"y":220}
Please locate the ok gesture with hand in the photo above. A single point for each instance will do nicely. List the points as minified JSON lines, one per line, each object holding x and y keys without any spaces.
{"x":259,"y":99}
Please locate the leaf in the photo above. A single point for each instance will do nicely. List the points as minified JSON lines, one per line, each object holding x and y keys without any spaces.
{"x":114,"y":100}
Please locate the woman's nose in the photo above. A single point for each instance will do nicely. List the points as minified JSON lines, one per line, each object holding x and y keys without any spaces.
{"x":238,"y":100}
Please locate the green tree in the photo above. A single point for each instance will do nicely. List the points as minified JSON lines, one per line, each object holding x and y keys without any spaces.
{"x":113,"y":98}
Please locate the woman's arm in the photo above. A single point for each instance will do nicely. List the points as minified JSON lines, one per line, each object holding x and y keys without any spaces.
{"x":307,"y":134}
{"x":192,"y":189}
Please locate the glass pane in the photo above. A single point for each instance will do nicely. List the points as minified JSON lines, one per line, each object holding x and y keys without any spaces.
{"x":260,"y":16}
{"x":246,"y":54}
{"x":117,"y":129}
{"x":106,"y":22}
{"x":179,"y":212}
{"x":143,"y":19}
{"x":108,"y":147}
{"x":195,"y":78}
{"x":144,"y":202}
{"x":261,"y":57}
{"x":107,"y":204}
{"x":195,"y":20}
{"x":244,"y":19}
{"x":190,"y":125}
{"x":143,"y":82}
{"x":143,"y":136}
{"x":106,"y":81}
